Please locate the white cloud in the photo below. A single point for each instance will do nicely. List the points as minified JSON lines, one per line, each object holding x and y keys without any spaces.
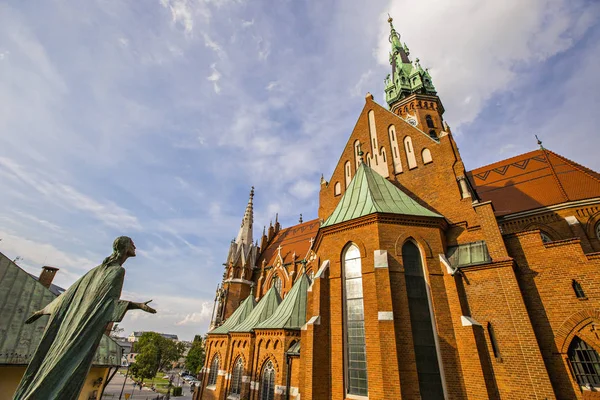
{"x":36,"y":254}
{"x":181,"y":13}
{"x":214,"y":46}
{"x":66,"y":196}
{"x":359,"y":87}
{"x":214,"y":78}
{"x":272,"y":85}
{"x":304,"y":189}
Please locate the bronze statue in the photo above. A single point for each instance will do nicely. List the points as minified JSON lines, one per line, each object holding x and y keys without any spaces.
{"x":78,"y":319}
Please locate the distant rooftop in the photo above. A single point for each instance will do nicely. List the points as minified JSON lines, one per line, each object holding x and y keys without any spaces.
{"x":138,"y":334}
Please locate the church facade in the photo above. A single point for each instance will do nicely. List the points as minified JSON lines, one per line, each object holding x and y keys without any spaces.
{"x":418,"y":279}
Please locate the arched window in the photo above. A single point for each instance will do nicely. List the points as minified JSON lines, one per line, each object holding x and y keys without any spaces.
{"x":545,"y":237}
{"x":578,"y":289}
{"x":432,"y":134}
{"x":337,"y":189}
{"x":356,"y":351}
{"x":428,"y":370}
{"x":236,"y":377}
{"x":598,"y":230}
{"x":214,"y":371}
{"x":429,"y":121}
{"x":267,"y":382}
{"x":585,"y":363}
{"x":276,"y":282}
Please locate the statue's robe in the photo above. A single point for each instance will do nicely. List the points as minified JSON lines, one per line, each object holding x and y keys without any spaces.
{"x":78,"y":319}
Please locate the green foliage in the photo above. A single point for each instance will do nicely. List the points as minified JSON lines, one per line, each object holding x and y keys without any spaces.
{"x":177,"y":391}
{"x":142,"y":369}
{"x":155,"y":353}
{"x":195,"y":357}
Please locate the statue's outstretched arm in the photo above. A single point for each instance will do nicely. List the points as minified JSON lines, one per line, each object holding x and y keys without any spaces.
{"x":141,"y":306}
{"x":49,"y":309}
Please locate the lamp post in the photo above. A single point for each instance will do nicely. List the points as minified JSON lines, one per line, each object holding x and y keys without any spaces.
{"x":125,"y":381}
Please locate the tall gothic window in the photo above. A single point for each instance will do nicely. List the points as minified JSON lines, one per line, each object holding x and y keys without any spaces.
{"x":356,"y":352}
{"x":585,"y":363}
{"x":276,"y":282}
{"x":428,"y":370}
{"x":214,"y":371}
{"x":236,"y":377}
{"x":267,"y":382}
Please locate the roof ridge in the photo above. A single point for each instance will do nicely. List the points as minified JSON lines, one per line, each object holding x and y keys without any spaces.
{"x":558,"y":182}
{"x":575,"y":165}
{"x":360,"y":200}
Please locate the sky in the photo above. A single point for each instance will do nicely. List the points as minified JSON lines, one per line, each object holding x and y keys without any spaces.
{"x":153,"y":119}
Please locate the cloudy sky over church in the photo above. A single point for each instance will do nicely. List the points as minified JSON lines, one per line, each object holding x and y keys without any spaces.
{"x":153,"y":119}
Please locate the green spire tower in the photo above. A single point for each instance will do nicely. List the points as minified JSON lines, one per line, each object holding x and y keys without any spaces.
{"x":409,"y":89}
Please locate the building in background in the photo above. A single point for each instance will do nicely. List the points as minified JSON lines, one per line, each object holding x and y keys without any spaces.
{"x":419,"y":279}
{"x":20,"y":296}
{"x":135,"y":336}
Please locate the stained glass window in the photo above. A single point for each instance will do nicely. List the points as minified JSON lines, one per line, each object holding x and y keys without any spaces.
{"x":276,"y":282}
{"x":236,"y":377}
{"x":585,"y":363}
{"x":267,"y":382}
{"x":356,"y":352}
{"x":428,"y":370}
{"x":214,"y":371}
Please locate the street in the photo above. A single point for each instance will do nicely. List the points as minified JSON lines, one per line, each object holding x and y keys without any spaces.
{"x":113,"y":390}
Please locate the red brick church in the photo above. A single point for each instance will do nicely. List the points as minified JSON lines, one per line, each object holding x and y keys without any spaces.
{"x":419,"y":279}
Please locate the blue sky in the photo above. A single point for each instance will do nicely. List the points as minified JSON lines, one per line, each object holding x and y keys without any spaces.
{"x":153,"y":119}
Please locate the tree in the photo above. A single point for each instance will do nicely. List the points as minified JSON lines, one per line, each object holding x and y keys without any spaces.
{"x":195,"y":357}
{"x":116,"y":331}
{"x":156,"y":352}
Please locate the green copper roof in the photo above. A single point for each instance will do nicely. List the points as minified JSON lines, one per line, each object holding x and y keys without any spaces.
{"x":291,"y":313}
{"x":237,"y":317}
{"x":263,"y":310}
{"x":370,"y":193}
{"x":20,"y":296}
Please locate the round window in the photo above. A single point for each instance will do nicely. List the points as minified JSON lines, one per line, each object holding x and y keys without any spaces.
{"x":598,"y":230}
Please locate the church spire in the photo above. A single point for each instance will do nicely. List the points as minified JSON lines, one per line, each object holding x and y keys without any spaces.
{"x":245,"y":233}
{"x":407,"y":77}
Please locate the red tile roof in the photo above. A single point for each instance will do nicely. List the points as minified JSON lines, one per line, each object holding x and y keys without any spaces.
{"x":293,"y":239}
{"x":540,"y":178}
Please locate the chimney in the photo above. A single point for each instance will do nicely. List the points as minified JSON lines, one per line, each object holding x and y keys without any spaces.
{"x":47,"y":275}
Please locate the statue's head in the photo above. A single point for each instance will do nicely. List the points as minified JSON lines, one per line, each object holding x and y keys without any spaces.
{"x":124,"y":246}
